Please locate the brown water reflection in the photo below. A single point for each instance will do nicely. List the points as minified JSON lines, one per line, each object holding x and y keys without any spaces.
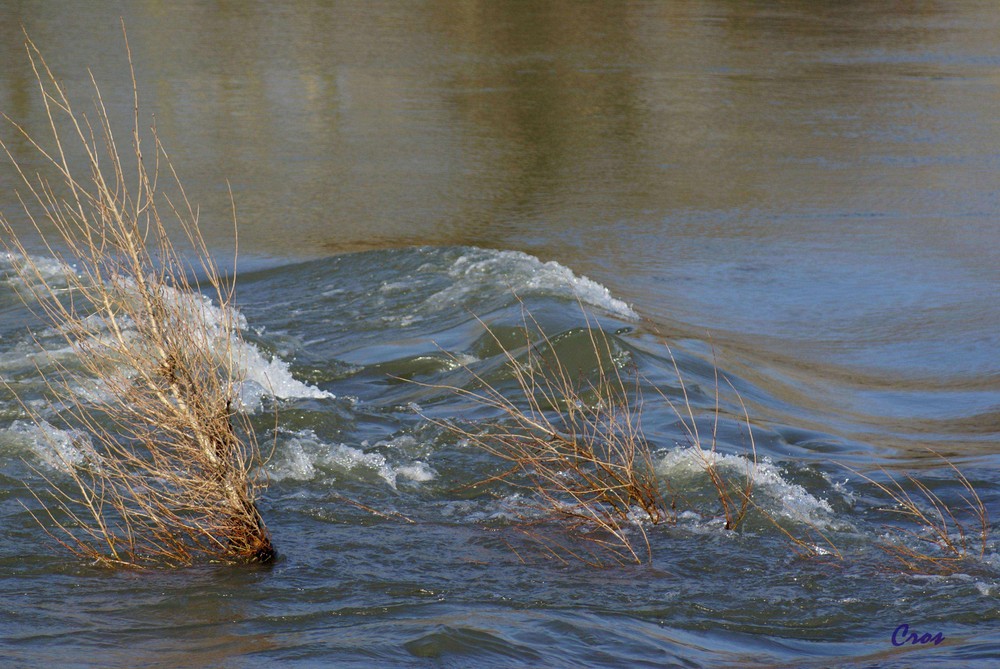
{"x":812,"y":186}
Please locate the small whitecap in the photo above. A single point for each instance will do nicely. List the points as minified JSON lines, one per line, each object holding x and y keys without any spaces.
{"x":524,"y":274}
{"x":55,"y":448}
{"x":294,"y":462}
{"x":395,"y":287}
{"x":304,"y":455}
{"x":348,"y":457}
{"x":416,"y":471}
{"x":782,"y":497}
{"x":509,"y":508}
{"x":270,"y":377}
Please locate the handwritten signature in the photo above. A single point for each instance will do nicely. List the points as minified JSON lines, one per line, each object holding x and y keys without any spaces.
{"x":902,"y":636}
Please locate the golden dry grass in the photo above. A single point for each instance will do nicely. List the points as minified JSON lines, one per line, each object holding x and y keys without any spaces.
{"x":576,"y":443}
{"x":573,"y":440}
{"x":938,"y":537}
{"x":172,"y":475}
{"x":735,"y":495}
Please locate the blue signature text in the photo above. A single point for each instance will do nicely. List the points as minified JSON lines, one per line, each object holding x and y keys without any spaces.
{"x":902,"y":636}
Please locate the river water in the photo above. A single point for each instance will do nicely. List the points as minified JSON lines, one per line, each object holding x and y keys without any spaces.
{"x":800,"y":195}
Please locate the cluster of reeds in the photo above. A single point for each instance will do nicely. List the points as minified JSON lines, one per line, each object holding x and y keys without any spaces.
{"x":938,"y":538}
{"x":573,"y":439}
{"x":172,"y":473}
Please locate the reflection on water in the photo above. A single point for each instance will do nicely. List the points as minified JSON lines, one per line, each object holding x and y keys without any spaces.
{"x":428,"y":122}
{"x":811,"y":187}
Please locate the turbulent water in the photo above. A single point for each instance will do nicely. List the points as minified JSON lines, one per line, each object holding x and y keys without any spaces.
{"x":783,"y":213}
{"x":390,"y":555}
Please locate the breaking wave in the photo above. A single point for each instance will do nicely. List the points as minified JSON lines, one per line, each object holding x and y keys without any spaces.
{"x":524,"y":274}
{"x":262,"y":375}
{"x":780,"y":496}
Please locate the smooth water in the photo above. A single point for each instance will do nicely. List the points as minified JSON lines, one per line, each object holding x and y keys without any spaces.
{"x":802,"y":195}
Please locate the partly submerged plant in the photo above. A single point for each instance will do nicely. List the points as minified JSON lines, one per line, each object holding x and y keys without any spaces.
{"x":571,"y":435}
{"x":172,"y":474}
{"x":735,"y":495}
{"x":939,"y":538}
{"x":573,"y":438}
{"x":575,"y":441}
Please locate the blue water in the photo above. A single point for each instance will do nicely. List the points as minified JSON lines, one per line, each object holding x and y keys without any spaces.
{"x":433,"y":568}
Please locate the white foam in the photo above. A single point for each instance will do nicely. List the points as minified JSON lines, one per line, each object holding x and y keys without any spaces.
{"x":416,"y":471}
{"x":261,"y":375}
{"x":986,"y":589}
{"x":781,"y":497}
{"x":293,"y":461}
{"x":304,"y":456}
{"x":270,"y":377}
{"x":507,"y":509}
{"x":37,"y":270}
{"x":56,"y":449}
{"x":524,"y":274}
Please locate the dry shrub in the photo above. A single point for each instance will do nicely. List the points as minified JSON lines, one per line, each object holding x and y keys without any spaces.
{"x":941,"y":538}
{"x":172,"y":474}
{"x":573,"y":440}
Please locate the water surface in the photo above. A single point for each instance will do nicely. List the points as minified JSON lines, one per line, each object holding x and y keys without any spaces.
{"x":803,"y":196}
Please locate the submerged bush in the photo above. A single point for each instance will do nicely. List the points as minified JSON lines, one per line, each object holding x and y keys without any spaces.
{"x":576,"y":442}
{"x":569,"y":433}
{"x":938,"y":537}
{"x":173,"y":472}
